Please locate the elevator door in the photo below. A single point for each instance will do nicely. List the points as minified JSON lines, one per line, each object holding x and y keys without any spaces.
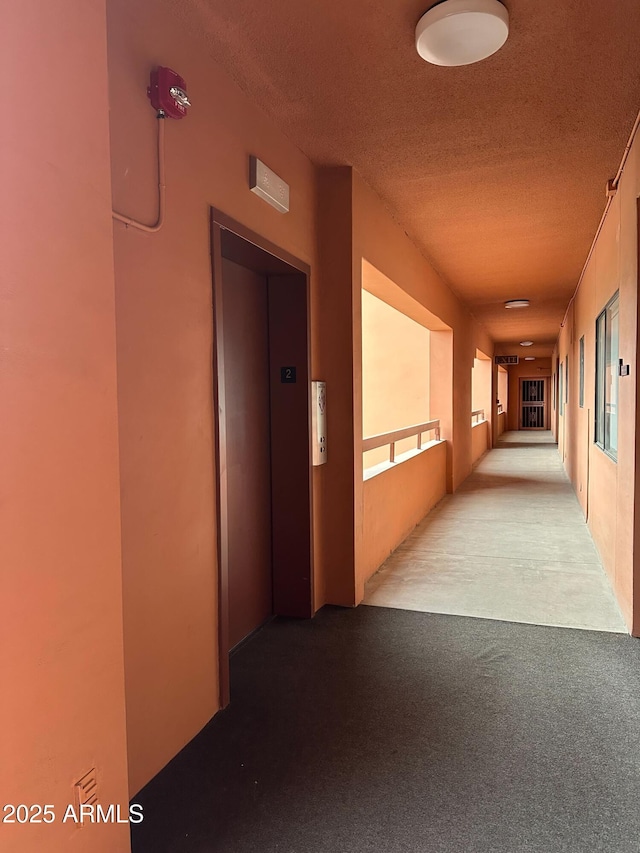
{"x":533,"y":404}
{"x":247,"y":423}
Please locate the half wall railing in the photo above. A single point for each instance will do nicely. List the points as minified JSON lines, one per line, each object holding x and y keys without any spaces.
{"x":390,"y":438}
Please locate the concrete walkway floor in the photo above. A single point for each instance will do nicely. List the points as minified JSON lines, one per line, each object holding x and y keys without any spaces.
{"x":510,"y":544}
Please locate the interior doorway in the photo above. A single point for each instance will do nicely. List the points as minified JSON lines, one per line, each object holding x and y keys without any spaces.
{"x":533,"y":404}
{"x":262,"y":414}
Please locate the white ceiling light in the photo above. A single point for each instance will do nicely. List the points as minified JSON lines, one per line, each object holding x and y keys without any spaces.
{"x":526,"y":343}
{"x":530,"y":358}
{"x":460,"y":32}
{"x":517,"y":303}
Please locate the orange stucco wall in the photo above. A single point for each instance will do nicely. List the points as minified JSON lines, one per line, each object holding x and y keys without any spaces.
{"x":480,"y":443}
{"x":123,"y":486}
{"x":333,"y":313}
{"x":164,"y":320}
{"x":109,"y":491}
{"x":606,"y":489}
{"x":395,"y":500}
{"x":62,"y":705}
{"x":502,"y":420}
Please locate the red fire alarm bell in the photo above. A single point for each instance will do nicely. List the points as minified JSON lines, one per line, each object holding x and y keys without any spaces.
{"x":168,"y":93}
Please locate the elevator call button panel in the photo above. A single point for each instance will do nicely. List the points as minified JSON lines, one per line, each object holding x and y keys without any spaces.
{"x":319,"y":421}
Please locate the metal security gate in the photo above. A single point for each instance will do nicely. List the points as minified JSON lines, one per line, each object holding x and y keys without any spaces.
{"x":533,"y":409}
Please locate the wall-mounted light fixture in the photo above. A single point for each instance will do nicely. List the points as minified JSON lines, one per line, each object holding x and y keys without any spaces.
{"x":460,"y":32}
{"x":517,"y":303}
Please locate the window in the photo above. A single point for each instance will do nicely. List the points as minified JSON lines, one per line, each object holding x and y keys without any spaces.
{"x":582,"y":372}
{"x":480,"y":388}
{"x":395,"y":377}
{"x":606,"y":413}
{"x":560,"y":391}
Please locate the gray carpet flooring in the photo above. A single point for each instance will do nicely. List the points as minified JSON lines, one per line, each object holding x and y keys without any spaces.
{"x":386,"y":730}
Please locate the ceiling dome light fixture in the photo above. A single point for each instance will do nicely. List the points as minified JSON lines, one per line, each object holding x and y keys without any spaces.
{"x":530,"y":358}
{"x":461,"y":32}
{"x":526,"y":343}
{"x":517,"y":303}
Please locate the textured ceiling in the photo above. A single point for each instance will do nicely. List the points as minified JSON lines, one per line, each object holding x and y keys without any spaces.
{"x":496,"y":170}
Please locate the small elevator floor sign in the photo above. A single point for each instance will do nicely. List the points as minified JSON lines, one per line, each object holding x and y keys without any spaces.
{"x":287,"y":374}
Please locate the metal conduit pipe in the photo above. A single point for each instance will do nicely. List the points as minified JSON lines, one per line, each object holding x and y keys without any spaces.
{"x":134,"y":223}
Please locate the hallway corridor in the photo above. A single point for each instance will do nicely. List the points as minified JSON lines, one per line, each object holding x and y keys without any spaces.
{"x":510,"y":544}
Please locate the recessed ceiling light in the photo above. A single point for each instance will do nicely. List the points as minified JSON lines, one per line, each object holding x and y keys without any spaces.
{"x":530,"y":358}
{"x":526,"y":343}
{"x":460,"y":32}
{"x":517,"y":303}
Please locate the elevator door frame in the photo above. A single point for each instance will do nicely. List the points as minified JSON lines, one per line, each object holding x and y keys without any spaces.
{"x":253,"y":251}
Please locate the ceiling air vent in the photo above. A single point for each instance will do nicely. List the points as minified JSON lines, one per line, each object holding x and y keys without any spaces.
{"x":507,"y":359}
{"x":87,"y":789}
